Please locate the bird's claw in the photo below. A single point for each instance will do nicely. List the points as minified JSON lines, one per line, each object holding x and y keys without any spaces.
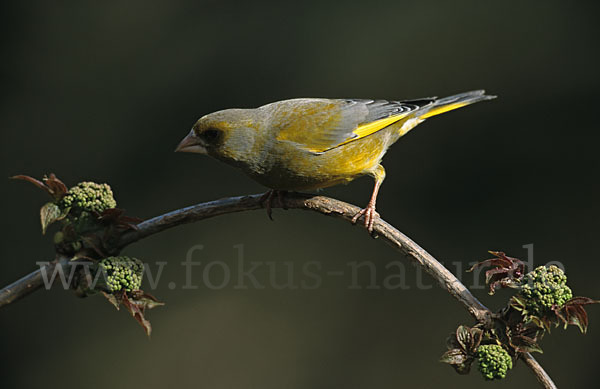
{"x":267,"y":200}
{"x":369,"y":215}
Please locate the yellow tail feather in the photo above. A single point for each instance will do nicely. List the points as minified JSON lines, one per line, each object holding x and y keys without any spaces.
{"x":443,"y":109}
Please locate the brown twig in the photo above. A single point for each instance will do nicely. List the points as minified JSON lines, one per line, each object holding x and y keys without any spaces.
{"x":28,"y":284}
{"x":321,"y":204}
{"x":324,"y":205}
{"x":23,"y":286}
{"x":538,"y":370}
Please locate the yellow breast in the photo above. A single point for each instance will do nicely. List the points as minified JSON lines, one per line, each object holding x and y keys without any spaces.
{"x":294,"y":168}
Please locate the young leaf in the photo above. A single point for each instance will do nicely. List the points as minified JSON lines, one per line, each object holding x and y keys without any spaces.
{"x":137,"y":311}
{"x":463,"y":336}
{"x":573,"y":312}
{"x":145,"y":299}
{"x":506,"y":271}
{"x":468,"y":338}
{"x":582,"y":301}
{"x":57,"y":187}
{"x":525,"y":344}
{"x":113,"y":299}
{"x":116,"y":217}
{"x":454,"y":356}
{"x":518,"y":302}
{"x":35,"y":182}
{"x":136,"y":304}
{"x":51,"y":213}
{"x":51,"y":184}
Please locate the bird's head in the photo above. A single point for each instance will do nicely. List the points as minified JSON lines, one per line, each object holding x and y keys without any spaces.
{"x":227,"y":134}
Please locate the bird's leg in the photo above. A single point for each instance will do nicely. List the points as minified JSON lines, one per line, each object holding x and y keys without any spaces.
{"x":280,"y":195}
{"x":267,"y":200}
{"x":369,"y":212}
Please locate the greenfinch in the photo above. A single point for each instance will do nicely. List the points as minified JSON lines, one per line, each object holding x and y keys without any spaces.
{"x":312,"y":143}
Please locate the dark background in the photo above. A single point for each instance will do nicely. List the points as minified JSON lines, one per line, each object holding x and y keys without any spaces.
{"x":104,"y":92}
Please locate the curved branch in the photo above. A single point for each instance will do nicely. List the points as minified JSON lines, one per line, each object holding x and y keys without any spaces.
{"x":192,"y":214}
{"x":24,"y":286}
{"x":324,"y":205}
{"x":29,"y":283}
{"x":321,"y":204}
{"x":538,"y":370}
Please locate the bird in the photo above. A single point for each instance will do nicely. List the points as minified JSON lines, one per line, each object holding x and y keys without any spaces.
{"x":305,"y":144}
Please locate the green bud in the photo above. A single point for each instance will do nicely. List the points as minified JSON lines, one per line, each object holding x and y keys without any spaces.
{"x":122,"y":273}
{"x":543,"y":288}
{"x":89,"y":197}
{"x":494,"y":361}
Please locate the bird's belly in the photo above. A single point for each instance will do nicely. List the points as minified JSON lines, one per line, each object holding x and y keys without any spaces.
{"x":297,"y":169}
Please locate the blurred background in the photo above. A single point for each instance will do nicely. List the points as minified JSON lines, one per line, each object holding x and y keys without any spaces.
{"x":104,"y":91}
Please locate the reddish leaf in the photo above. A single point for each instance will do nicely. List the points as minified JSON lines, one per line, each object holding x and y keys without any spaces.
{"x":112,"y":213}
{"x":35,"y":182}
{"x":501,"y":278}
{"x":506,"y":272}
{"x":52,"y":185}
{"x":94,"y":243}
{"x":117,"y":218}
{"x":531,"y":330}
{"x":522,"y":335}
{"x":573,"y":312}
{"x":558,"y":311}
{"x":525,"y":344}
{"x":488,"y":263}
{"x":136,"y":304}
{"x":501,"y":261}
{"x":137,"y":311}
{"x":582,"y":301}
{"x":58,"y":188}
{"x":114,"y":299}
{"x":576,"y":315}
{"x":543,"y":322}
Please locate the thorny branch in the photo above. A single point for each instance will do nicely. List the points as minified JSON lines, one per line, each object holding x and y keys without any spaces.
{"x":320,"y":204}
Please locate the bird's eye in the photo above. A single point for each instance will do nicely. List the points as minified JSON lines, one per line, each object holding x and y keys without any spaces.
{"x":211,"y":135}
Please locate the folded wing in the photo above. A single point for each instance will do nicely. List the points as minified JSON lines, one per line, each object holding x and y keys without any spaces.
{"x":318,"y":125}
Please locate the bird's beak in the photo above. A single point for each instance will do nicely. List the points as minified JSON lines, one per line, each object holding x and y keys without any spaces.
{"x":190,"y":144}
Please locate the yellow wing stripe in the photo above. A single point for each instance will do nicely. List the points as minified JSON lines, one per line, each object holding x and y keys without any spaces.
{"x":372,"y":127}
{"x":442,"y":109}
{"x":369,"y":128}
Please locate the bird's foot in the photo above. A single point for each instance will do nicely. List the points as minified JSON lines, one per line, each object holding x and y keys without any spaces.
{"x":267,"y":200}
{"x":369,"y":215}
